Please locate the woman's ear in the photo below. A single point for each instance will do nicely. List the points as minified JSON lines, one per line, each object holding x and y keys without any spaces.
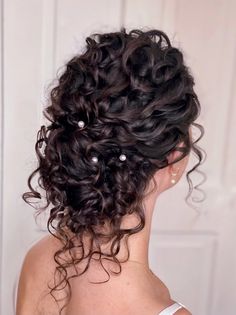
{"x":174,"y":155}
{"x":179,"y":166}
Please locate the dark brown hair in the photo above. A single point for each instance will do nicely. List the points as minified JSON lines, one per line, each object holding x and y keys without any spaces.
{"x":136,"y":97}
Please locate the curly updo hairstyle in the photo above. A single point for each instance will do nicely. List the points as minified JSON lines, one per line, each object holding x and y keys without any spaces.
{"x":135,"y":95}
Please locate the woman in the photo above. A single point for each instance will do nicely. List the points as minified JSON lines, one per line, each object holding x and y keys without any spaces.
{"x":119,"y":135}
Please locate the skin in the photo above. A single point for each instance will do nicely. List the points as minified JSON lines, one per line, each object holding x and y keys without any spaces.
{"x":140,"y":291}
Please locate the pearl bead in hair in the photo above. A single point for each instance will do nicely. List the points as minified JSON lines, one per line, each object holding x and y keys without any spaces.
{"x":122,"y":157}
{"x":94,"y":159}
{"x":81,"y":124}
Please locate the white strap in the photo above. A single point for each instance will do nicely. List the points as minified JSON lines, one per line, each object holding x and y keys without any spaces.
{"x":172,"y":309}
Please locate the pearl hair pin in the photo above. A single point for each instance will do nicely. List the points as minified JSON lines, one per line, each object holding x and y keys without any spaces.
{"x":122,"y":157}
{"x":81,"y":124}
{"x":94,"y":159}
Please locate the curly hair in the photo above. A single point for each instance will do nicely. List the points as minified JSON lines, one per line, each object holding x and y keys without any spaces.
{"x":136,"y":97}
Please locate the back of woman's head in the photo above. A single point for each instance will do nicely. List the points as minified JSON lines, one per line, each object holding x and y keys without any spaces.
{"x":128,"y":95}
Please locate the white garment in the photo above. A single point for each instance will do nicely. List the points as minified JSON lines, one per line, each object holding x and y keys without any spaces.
{"x":170,"y":310}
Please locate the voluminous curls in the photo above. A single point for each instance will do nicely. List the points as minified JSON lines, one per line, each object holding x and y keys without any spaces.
{"x":136,"y":97}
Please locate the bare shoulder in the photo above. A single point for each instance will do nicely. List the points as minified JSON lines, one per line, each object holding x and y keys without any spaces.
{"x":39,"y":259}
{"x":163,"y":289}
{"x":37,"y":269}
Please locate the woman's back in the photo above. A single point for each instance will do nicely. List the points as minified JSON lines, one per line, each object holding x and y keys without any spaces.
{"x":131,"y":292}
{"x":122,"y":302}
{"x":135,"y":290}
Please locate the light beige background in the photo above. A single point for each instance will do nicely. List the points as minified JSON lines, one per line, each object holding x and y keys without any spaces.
{"x":192,"y":251}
